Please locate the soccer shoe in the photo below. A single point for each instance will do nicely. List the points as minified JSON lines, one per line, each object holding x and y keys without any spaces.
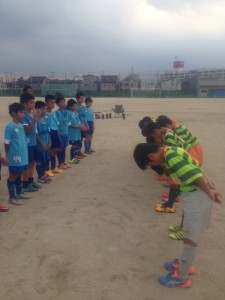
{"x":172,"y":280}
{"x":93,"y":151}
{"x":78,"y":156}
{"x":49,"y":173}
{"x":43,"y":180}
{"x":174,"y":266}
{"x":49,"y":179}
{"x":67,"y":166}
{"x":29,"y":189}
{"x":82,"y":154}
{"x":57,"y":171}
{"x":3,"y":208}
{"x":35,"y":185}
{"x":88,"y":152}
{"x":62,"y":166}
{"x":76,"y":161}
{"x":163,"y":209}
{"x":15,"y":201}
{"x":177,"y":235}
{"x":71,"y":161}
{"x":22,"y":197}
{"x":176,"y":228}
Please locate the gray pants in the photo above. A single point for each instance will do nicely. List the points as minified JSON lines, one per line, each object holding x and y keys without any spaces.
{"x":197,"y":207}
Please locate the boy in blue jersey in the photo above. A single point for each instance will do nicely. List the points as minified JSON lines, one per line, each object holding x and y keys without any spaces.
{"x":43,"y":143}
{"x":53,"y":124}
{"x":16,"y":153}
{"x":74,"y":132}
{"x":29,"y":122}
{"x":81,"y":115}
{"x":63,"y":118}
{"x":89,"y":116}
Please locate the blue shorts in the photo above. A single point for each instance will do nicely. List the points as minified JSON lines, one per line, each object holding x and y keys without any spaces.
{"x":64,"y":141}
{"x":55,"y":139}
{"x":32,"y":154}
{"x":91,"y":128}
{"x":42,"y":156}
{"x":75,"y":143}
{"x":17,"y":170}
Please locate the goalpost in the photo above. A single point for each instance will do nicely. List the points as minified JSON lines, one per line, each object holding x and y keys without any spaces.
{"x":145,"y":92}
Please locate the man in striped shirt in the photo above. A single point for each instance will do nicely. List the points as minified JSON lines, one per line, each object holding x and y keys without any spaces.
{"x":197,"y":196}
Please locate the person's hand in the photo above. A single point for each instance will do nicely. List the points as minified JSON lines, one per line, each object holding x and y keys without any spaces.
{"x":43,"y":148}
{"x":36,"y":114}
{"x":4,"y":161}
{"x":83,"y":128}
{"x":216,"y":196}
{"x":211,"y":184}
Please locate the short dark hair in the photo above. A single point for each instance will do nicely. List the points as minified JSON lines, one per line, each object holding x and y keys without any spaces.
{"x":25,"y":97}
{"x":26,"y":87}
{"x":79,"y":94}
{"x":40,"y":104}
{"x":141,"y":152}
{"x":144,"y":121}
{"x":149,"y":128}
{"x":49,"y":97}
{"x":88,"y":100}
{"x":15,"y":107}
{"x":150,"y":139}
{"x":163,"y":120}
{"x":58,"y":99}
{"x":70,"y":103}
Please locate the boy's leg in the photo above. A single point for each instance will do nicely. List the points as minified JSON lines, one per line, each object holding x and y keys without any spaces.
{"x":197,"y":212}
{"x":72,"y":152}
{"x":12,"y":190}
{"x":63,"y":155}
{"x":173,"y":194}
{"x":18,"y":186}
{"x":187,"y":258}
{"x":59,"y":156}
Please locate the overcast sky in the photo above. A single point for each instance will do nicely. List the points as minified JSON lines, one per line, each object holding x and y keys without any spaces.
{"x":114,"y":36}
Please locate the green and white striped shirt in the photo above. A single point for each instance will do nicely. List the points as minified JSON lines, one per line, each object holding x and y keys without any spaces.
{"x":185,"y":134}
{"x":180,"y":165}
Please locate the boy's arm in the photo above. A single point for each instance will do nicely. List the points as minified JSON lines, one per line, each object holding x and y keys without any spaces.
{"x":214,"y":195}
{"x":36,"y":115}
{"x":7,"y":146}
{"x":43,"y":147}
{"x":3,"y":160}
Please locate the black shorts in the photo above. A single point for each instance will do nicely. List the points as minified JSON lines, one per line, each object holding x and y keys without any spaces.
{"x":55,"y":139}
{"x":32,"y":154}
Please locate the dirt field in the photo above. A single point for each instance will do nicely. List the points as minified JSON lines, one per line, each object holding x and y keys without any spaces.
{"x":93,"y":234}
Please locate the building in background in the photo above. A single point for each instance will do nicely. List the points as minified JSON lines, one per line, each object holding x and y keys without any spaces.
{"x":109,"y":83}
{"x":130,"y":82}
{"x":90,"y":83}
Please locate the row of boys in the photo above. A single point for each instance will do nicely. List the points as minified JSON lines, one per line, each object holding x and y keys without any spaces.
{"x":172,"y":150}
{"x":37,"y":135}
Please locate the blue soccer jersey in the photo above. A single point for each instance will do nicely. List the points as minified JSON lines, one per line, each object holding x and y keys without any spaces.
{"x":74,"y":133}
{"x":31,"y":136}
{"x":15,"y":137}
{"x":52,"y":120}
{"x":89,"y":114}
{"x":63,"y":118}
{"x":43,"y":132}
{"x":81,"y":114}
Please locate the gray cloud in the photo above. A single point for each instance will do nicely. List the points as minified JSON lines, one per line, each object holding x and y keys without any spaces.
{"x":95,"y":36}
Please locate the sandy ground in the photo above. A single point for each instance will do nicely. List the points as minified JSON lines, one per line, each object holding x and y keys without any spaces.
{"x":93,"y":234}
